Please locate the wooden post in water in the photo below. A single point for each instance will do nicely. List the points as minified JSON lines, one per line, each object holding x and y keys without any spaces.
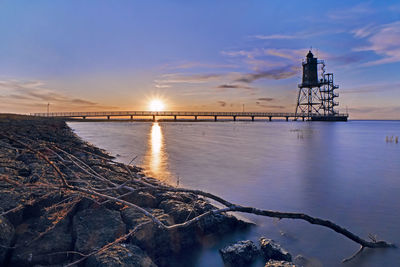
{"x":215,"y":118}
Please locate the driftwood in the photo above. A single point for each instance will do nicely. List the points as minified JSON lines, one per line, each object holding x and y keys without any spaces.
{"x":106,"y":190}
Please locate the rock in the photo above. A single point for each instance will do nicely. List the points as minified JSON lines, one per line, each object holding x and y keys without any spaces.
{"x":142,"y":199}
{"x":6,"y":236}
{"x":273,"y":263}
{"x":149,"y":237}
{"x":10,"y":199}
{"x":178,"y":210}
{"x":94,"y":228}
{"x":219,"y":224}
{"x":241,"y":253}
{"x":273,"y":251}
{"x":121,"y":255}
{"x":31,"y":251}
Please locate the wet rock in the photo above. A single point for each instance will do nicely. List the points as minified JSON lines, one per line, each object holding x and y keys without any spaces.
{"x":142,"y":199}
{"x":179,"y":211}
{"x":273,"y":251}
{"x":241,"y":253}
{"x":6,"y":237}
{"x":273,"y":263}
{"x":121,"y":255}
{"x":33,"y":249}
{"x":219,"y":224}
{"x":94,"y":228}
{"x":149,"y":236}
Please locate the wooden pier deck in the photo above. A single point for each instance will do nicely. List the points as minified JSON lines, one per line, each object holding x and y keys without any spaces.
{"x":195,"y":115}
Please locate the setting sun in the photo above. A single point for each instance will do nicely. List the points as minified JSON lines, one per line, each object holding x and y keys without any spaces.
{"x":156,"y":105}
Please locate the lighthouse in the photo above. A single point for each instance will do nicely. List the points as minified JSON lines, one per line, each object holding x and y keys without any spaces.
{"x":317,"y":92}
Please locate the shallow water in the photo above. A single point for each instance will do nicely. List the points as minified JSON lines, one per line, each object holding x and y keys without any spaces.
{"x":344,"y":172}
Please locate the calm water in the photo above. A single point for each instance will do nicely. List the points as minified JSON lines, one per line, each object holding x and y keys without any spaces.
{"x":345,"y":172}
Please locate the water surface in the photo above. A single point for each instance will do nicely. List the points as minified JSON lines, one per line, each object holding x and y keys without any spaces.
{"x":344,"y":172}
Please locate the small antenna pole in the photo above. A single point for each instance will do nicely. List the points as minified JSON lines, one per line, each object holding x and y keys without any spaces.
{"x":48,"y":109}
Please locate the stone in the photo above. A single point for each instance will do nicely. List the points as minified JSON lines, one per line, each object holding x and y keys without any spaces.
{"x":241,"y":253}
{"x":273,"y":251}
{"x":121,"y":255}
{"x":6,"y":236}
{"x":149,"y":236}
{"x":142,"y":199}
{"x":272,"y":263}
{"x":178,"y":210}
{"x":94,"y":228}
{"x":32,"y":250}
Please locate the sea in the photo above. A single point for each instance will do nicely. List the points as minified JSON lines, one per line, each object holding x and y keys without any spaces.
{"x":346,"y":172}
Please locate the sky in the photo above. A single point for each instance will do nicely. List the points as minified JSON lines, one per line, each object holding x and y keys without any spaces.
{"x":196,"y":55}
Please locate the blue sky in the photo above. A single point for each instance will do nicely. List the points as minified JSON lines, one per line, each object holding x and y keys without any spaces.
{"x":196,"y":55}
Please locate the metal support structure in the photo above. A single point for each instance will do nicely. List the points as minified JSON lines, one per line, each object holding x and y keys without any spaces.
{"x":315,"y":99}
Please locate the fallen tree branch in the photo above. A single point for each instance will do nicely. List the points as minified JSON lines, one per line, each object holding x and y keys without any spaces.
{"x":146,"y":186}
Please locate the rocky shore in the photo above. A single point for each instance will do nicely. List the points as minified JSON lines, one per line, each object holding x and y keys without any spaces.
{"x":45,"y":221}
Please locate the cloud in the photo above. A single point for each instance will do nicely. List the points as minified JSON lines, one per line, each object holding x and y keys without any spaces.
{"x":176,"y":78}
{"x":221,"y":103}
{"x":261,"y":104}
{"x":267,"y":99}
{"x":275,"y":37}
{"x":234,"y":86}
{"x":372,"y":88}
{"x":352,"y":13}
{"x":34,"y":94}
{"x":242,"y":53}
{"x":383,"y":40}
{"x":190,"y":65}
{"x":274,"y":74}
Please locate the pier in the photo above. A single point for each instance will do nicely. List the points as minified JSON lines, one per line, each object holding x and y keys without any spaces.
{"x":194,"y":115}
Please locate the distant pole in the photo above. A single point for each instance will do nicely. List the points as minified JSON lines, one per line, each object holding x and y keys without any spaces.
{"x":243,"y":108}
{"x":48,"y":109}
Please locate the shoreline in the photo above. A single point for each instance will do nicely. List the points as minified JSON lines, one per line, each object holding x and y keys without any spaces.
{"x":35,"y":213}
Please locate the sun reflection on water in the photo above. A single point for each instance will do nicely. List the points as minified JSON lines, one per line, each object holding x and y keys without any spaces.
{"x":156,"y":156}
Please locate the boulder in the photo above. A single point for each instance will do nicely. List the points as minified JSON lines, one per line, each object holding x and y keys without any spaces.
{"x":149,"y":236}
{"x":6,"y":236}
{"x":37,"y":241}
{"x":241,"y":253}
{"x":273,"y":251}
{"x":94,"y":228}
{"x":142,"y":199}
{"x":272,"y":263}
{"x":121,"y":255}
{"x":178,"y":210}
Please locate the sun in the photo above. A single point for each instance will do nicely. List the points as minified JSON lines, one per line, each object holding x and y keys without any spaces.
{"x":156,"y":105}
